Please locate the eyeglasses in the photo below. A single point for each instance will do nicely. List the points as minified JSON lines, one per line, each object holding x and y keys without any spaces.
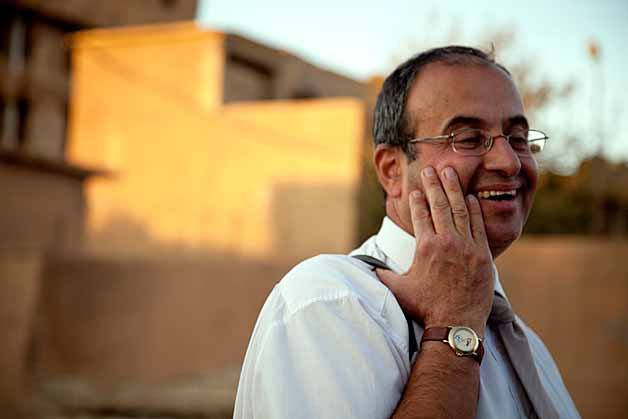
{"x":476,"y":142}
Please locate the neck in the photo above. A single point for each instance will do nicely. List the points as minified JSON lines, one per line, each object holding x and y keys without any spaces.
{"x":392,"y":212}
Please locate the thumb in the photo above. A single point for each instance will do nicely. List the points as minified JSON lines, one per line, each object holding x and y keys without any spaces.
{"x":399,"y":287}
{"x":391,"y":280}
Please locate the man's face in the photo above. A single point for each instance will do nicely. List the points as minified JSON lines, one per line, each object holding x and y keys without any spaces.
{"x":486,"y":98}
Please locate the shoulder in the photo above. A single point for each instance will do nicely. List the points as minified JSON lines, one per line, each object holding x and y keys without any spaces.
{"x":331,"y":292}
{"x":323,"y":340}
{"x":331,"y":278}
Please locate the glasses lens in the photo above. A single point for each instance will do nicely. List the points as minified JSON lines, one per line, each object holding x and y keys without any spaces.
{"x":470,"y":142}
{"x":536,"y":141}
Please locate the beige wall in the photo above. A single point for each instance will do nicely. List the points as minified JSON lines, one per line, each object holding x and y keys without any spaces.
{"x":574,"y":293}
{"x":208,"y":206}
{"x":192,"y":174}
{"x":178,"y":63}
{"x":19,"y":293}
{"x":129,"y":333}
{"x":40,"y":213}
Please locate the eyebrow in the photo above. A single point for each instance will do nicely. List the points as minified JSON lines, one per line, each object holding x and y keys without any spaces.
{"x":475,"y":121}
{"x":518,"y":120}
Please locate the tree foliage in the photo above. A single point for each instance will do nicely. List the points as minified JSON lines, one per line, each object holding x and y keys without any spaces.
{"x":594,"y":200}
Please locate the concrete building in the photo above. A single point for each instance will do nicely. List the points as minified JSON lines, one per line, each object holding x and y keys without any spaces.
{"x":214,"y":195}
{"x":208,"y":116}
{"x":41,"y":193}
{"x":34,"y":62}
{"x":212,"y":150}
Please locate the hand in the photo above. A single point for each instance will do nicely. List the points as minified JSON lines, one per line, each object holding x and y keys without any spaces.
{"x":451,"y":279}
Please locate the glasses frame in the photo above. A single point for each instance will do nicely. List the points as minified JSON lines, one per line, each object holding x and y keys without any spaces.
{"x":488,"y":144}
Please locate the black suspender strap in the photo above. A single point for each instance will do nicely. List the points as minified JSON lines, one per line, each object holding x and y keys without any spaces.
{"x":376,"y":263}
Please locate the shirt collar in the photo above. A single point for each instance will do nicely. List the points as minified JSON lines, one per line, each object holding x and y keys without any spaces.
{"x":398,"y":246}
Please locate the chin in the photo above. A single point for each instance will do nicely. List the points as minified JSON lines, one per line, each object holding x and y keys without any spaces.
{"x":500,"y":237}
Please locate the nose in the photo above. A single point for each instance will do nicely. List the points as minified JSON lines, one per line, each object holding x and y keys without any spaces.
{"x":501,"y":157}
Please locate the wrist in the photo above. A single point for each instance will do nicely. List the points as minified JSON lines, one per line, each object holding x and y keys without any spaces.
{"x":435,"y":347}
{"x":476,"y":325}
{"x":464,"y":341}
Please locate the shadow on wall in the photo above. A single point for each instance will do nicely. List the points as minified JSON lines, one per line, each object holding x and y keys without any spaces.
{"x":573,"y":292}
{"x":292,"y":222}
{"x":126,"y":237}
{"x":162,"y":327}
{"x":314,"y":219}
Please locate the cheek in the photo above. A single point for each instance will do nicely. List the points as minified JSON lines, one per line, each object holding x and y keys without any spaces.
{"x":465,"y":167}
{"x":465,"y":172}
{"x":412,"y":178}
{"x":531,"y":170}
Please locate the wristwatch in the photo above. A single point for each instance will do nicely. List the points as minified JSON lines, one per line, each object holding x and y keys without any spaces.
{"x":462,"y":340}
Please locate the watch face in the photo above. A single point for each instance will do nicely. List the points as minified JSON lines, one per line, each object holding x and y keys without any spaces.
{"x":463,"y":339}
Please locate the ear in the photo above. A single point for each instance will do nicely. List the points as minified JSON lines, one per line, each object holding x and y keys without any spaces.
{"x":388,"y":162}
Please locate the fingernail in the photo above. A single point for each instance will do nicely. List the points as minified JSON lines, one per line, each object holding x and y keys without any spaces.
{"x":428,"y":171}
{"x":449,"y":173}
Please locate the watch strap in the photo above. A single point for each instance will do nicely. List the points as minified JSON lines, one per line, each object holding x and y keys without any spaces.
{"x":441,"y":334}
{"x":436,"y":333}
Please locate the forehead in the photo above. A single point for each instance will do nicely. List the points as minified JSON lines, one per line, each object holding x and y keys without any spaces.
{"x":443,"y":91}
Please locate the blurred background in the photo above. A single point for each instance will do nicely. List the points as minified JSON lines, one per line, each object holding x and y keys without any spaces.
{"x":164,"y":162}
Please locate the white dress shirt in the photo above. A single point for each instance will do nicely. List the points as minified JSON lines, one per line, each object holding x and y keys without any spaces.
{"x":332,"y":342}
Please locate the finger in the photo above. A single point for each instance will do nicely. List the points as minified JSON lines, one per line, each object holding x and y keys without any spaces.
{"x":401,"y":288}
{"x":451,"y":183}
{"x":389,"y":278}
{"x":396,"y":284}
{"x":477,"y":221}
{"x":420,"y":213}
{"x":438,"y":202}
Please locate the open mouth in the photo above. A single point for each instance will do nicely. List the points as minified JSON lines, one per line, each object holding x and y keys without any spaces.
{"x":498,"y":195}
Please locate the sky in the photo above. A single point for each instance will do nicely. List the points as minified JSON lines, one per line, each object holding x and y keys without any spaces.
{"x":363,"y":38}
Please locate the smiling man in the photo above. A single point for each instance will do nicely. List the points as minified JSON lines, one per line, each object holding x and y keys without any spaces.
{"x":429,"y":333}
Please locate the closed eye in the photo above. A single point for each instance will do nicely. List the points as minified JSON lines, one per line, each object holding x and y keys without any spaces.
{"x":518,"y":141}
{"x":469,"y":140}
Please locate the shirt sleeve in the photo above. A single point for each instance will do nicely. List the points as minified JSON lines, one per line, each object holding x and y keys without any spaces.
{"x":331,"y":358}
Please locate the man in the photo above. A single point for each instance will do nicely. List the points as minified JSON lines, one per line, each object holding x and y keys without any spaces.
{"x":454,"y":155}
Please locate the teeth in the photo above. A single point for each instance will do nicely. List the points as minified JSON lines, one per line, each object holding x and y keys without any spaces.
{"x":487,"y":194}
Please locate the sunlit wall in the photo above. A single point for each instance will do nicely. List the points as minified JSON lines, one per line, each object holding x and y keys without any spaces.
{"x":192,"y":174}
